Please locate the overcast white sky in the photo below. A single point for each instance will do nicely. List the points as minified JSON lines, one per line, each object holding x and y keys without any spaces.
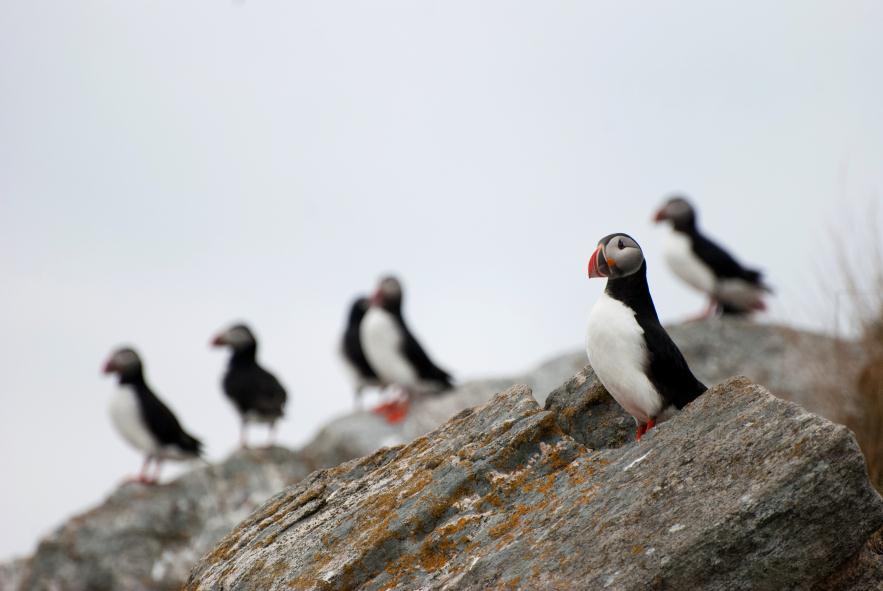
{"x":167,"y":167}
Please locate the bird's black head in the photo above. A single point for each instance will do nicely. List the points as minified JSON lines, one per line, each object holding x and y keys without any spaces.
{"x":679,"y":212}
{"x":617,"y":255}
{"x":238,"y":337}
{"x":358,"y":309}
{"x":388,"y":294}
{"x":124,"y":362}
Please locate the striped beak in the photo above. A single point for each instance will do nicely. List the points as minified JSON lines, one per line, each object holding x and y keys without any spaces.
{"x":598,"y":264}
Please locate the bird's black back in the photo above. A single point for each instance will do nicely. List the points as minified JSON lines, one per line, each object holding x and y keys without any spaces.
{"x":426,"y":369}
{"x":352,"y":341}
{"x":252,"y":388}
{"x":666,"y":367}
{"x":413,"y":351}
{"x":721,"y":263}
{"x":161,"y":421}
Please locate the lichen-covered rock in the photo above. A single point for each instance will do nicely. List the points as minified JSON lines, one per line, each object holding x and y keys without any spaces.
{"x":148,"y":537}
{"x":739,"y":491}
{"x":361,"y":433}
{"x":585,"y":411}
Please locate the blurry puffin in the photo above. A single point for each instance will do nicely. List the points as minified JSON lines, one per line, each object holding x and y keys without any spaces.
{"x":357,"y":365}
{"x":143,"y":420}
{"x":628,"y":348}
{"x":707,"y":267}
{"x":255,"y":392}
{"x":394,"y":353}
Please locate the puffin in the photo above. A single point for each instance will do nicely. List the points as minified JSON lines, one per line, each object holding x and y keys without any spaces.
{"x":631,"y":353}
{"x":256,"y":393}
{"x":394,"y":353}
{"x":731,"y":288}
{"x":143,"y":420}
{"x":360,"y":371}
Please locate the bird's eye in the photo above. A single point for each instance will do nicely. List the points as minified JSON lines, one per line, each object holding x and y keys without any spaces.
{"x":620,"y":244}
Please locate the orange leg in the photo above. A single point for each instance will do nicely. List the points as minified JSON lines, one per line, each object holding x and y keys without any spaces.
{"x":651,"y":423}
{"x":399,"y":412}
{"x":642,"y":428}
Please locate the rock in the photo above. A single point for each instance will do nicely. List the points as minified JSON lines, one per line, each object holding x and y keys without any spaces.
{"x":361,"y":433}
{"x":740,"y":491}
{"x":816,"y":371}
{"x":148,"y":537}
{"x":863,"y":572}
{"x":12,"y":573}
{"x":585,"y":411}
{"x":162,"y":531}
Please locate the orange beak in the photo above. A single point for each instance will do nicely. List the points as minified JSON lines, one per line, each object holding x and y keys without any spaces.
{"x":660,"y":216}
{"x":594,"y":267}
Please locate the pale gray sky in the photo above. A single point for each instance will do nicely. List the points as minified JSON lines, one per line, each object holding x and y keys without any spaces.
{"x":167,"y":167}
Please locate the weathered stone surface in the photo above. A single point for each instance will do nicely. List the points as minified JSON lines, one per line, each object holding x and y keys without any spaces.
{"x":361,"y":433}
{"x":12,"y":573}
{"x":740,"y":491}
{"x":816,"y":371}
{"x":149,"y":537}
{"x":585,"y":411}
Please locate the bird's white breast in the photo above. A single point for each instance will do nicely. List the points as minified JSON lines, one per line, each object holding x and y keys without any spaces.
{"x":382,"y":338}
{"x":125,"y":413}
{"x":618,"y":354}
{"x":679,"y":255}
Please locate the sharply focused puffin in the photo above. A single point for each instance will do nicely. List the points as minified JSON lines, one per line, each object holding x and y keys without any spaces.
{"x":143,"y":420}
{"x":256,"y":393}
{"x":357,"y":365}
{"x":707,"y":267}
{"x":628,"y":348}
{"x":393,"y":352}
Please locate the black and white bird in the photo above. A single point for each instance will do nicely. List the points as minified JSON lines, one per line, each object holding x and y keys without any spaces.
{"x":705,"y":266}
{"x":630,"y":351}
{"x":360,"y":371}
{"x":255,"y":392}
{"x":143,"y":420}
{"x":393,"y":352}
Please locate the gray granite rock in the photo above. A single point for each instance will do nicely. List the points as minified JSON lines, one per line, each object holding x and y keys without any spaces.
{"x":160,"y":532}
{"x":814,"y":370}
{"x":740,"y":491}
{"x":148,"y":537}
{"x":12,"y":573}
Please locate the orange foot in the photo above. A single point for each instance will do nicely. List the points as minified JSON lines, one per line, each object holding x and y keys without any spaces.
{"x":384,"y":408}
{"x":397,"y":413}
{"x":642,"y":428}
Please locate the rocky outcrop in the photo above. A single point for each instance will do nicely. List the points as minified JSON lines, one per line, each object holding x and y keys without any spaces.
{"x":12,"y":573}
{"x":739,"y":491}
{"x":361,"y":433}
{"x":149,"y":537}
{"x":816,"y":371}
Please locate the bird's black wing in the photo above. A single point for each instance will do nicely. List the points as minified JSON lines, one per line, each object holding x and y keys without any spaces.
{"x":165,"y":426}
{"x":722,"y":263}
{"x":668,"y":370}
{"x":255,"y":389}
{"x":352,"y":350}
{"x":417,"y":357}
